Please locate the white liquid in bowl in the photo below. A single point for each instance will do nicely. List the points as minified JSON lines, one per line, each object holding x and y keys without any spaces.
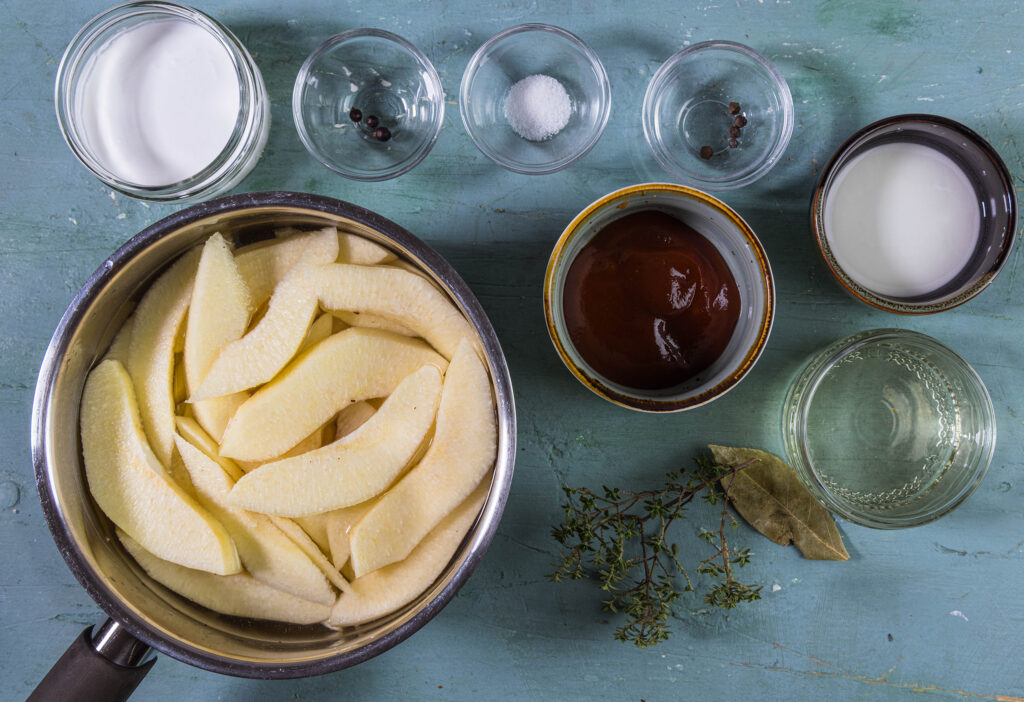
{"x":902,"y":219}
{"x":159,"y":102}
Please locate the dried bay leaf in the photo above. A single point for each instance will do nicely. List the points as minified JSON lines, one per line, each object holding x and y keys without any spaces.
{"x":770,"y":496}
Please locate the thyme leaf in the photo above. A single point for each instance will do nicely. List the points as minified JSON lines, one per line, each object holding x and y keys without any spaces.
{"x":620,"y":539}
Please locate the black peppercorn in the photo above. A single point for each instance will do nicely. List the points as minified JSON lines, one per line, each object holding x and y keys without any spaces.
{"x":734,"y":132}
{"x":734,"y":108}
{"x":706,"y":152}
{"x":381,"y":133}
{"x":740,"y":121}
{"x":355,"y":114}
{"x":733,"y":143}
{"x":372,"y":121}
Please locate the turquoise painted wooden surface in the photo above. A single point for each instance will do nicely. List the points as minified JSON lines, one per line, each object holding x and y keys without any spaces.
{"x":936,"y":610}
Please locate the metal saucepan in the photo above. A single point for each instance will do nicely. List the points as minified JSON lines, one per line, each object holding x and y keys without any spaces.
{"x":106,"y":664}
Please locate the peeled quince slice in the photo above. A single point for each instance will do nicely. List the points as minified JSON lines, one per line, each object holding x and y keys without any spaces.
{"x":218,"y":314}
{"x":352,"y":469}
{"x":296,"y":533}
{"x":352,"y":365}
{"x":321,"y":328}
{"x":396,"y":294}
{"x":353,"y":248}
{"x":339,"y":523}
{"x":315,"y":526}
{"x":352,"y":417}
{"x":150,"y":356}
{"x":385,"y":590}
{"x":265,"y":264}
{"x":461,"y":453}
{"x":373,"y":321}
{"x":118,"y":349}
{"x":238,"y":595}
{"x":131,"y":486}
{"x":266,"y":553}
{"x":190,"y":430}
{"x":257,"y":357}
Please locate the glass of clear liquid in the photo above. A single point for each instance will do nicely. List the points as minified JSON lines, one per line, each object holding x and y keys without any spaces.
{"x":889,"y":428}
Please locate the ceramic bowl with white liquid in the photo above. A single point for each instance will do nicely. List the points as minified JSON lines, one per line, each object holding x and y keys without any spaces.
{"x":915,"y":214}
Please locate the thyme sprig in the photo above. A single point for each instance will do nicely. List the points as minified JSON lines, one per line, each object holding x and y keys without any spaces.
{"x":620,"y":539}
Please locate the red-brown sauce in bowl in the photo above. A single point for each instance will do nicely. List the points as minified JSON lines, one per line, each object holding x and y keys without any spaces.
{"x":649,"y":302}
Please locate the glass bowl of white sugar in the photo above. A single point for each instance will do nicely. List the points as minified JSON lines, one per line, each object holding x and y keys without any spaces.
{"x":915,"y":214}
{"x":161,"y":102}
{"x":535,"y":99}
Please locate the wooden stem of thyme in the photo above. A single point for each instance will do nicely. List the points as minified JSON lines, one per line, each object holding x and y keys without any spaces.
{"x":598,"y":540}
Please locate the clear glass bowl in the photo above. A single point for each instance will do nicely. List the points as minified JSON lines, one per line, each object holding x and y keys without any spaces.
{"x":517,"y":53}
{"x":744,"y":255}
{"x":993,"y":186}
{"x":686,"y":110}
{"x":381,"y":75}
{"x":889,"y":428}
{"x":243,"y":147}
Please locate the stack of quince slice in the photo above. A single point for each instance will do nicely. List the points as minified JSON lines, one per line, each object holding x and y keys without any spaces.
{"x":300,"y":430}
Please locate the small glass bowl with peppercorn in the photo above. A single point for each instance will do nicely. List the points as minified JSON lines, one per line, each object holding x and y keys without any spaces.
{"x":535,"y":99}
{"x":718,"y":115}
{"x":368,"y":104}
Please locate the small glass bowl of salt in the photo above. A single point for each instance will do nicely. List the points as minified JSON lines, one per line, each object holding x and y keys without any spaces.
{"x":535,"y":98}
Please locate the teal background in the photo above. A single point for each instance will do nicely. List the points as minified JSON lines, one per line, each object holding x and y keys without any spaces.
{"x":935,"y":610}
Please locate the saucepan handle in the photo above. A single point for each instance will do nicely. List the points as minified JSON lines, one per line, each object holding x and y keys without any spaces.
{"x":104,"y":664}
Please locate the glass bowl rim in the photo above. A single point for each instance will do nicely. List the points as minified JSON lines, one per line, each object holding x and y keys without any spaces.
{"x":744,"y":177}
{"x":426,"y":142}
{"x":251,"y":115}
{"x":484,"y":51}
{"x":813,"y":372}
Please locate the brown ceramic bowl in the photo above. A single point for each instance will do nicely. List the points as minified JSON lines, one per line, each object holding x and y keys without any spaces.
{"x":743,"y":254}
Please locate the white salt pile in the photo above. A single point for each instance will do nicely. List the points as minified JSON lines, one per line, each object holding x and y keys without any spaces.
{"x":538,"y":107}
